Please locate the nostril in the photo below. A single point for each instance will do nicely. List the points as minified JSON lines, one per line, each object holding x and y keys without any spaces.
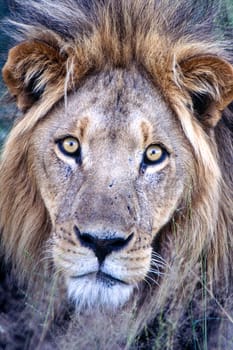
{"x":119,"y":243}
{"x":101,"y":247}
{"x":85,"y":239}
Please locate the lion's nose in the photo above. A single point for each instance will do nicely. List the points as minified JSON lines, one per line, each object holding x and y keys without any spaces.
{"x":101,"y":247}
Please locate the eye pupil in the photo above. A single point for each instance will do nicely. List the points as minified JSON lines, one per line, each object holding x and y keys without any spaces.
{"x":69,"y":146}
{"x":154,"y":154}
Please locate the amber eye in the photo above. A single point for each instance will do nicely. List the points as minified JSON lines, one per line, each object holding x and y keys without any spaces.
{"x":154,"y":154}
{"x":69,"y":146}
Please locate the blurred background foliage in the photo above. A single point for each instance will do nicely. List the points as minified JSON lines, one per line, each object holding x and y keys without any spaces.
{"x":7,"y":111}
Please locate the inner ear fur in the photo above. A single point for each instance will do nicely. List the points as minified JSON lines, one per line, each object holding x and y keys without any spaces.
{"x":209,"y":81}
{"x":30,"y":68}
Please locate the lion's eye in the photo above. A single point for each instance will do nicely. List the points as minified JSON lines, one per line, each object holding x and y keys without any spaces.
{"x":154,"y":154}
{"x":69,"y":146}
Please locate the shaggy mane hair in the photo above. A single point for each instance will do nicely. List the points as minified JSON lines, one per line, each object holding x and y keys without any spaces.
{"x":157,"y":37}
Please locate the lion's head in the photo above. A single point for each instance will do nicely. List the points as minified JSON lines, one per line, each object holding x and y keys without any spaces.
{"x":114,"y":168}
{"x":109,"y":173}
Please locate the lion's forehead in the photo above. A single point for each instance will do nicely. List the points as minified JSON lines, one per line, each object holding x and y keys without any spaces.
{"x":114,"y":106}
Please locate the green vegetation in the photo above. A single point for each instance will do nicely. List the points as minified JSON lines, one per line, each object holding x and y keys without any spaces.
{"x":4,"y":109}
{"x":229,"y":8}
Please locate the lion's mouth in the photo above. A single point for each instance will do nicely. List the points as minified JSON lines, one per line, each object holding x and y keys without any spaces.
{"x":98,"y":289}
{"x":102,"y":277}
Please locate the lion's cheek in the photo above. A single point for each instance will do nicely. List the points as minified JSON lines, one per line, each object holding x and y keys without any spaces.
{"x":131,"y":267}
{"x":163,"y":212}
{"x":71,"y":262}
{"x":51,"y":201}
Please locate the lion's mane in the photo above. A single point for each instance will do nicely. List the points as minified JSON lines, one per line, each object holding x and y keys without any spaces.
{"x":198,"y":240}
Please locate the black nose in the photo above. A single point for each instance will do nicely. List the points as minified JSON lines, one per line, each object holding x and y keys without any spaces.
{"x":101,"y":247}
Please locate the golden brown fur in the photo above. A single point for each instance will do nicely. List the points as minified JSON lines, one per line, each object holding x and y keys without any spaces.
{"x":191,"y":82}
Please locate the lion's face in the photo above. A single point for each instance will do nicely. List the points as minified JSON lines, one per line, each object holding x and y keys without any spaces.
{"x":111,"y":168}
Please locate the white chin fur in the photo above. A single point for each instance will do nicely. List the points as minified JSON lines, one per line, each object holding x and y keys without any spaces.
{"x":87,"y":292}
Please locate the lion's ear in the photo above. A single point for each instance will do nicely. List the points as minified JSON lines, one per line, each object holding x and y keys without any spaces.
{"x":209,"y":81}
{"x":31,"y":67}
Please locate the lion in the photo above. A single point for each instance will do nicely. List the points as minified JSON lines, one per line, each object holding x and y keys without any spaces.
{"x":116,"y":178}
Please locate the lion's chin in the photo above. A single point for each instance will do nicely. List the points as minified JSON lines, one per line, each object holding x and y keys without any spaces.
{"x":98,"y":291}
